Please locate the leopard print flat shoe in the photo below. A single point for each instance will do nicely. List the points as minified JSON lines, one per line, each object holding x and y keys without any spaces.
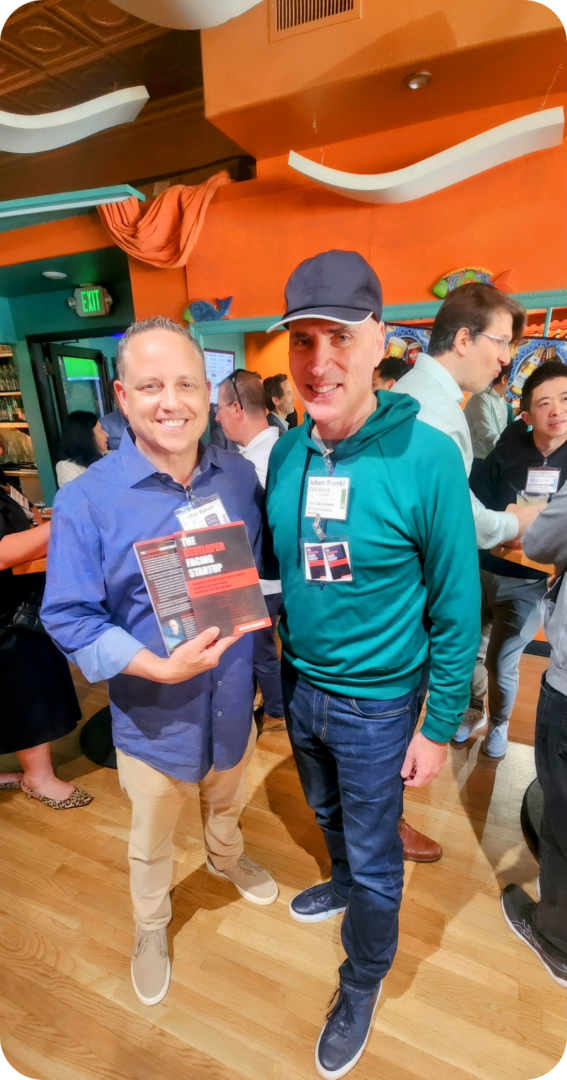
{"x":78,"y":798}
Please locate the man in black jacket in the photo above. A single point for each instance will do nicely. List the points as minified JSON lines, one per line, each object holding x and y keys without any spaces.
{"x":530,"y":468}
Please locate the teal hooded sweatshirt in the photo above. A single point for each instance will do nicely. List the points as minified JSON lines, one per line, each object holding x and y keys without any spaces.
{"x":415,"y":588}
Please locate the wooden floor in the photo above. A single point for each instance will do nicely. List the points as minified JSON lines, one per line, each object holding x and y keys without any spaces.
{"x":464,"y":998}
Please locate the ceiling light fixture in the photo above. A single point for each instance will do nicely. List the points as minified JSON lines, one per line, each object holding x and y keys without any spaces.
{"x":53,"y":275}
{"x":418,"y":80}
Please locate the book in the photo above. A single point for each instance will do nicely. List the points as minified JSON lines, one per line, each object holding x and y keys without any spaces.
{"x":222,"y":579}
{"x":165,"y":581}
{"x":201,"y":578}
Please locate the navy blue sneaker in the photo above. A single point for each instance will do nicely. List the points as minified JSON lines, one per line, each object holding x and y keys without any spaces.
{"x":343,"y":1039}
{"x":316,"y":904}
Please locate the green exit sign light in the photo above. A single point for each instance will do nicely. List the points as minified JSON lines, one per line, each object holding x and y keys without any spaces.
{"x":90,"y":301}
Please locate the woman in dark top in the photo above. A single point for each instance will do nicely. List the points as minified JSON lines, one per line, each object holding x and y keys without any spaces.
{"x":39,"y":702}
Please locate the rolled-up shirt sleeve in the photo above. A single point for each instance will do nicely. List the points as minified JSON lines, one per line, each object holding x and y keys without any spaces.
{"x":74,"y":609}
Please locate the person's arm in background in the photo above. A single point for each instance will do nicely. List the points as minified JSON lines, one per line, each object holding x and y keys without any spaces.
{"x":494,"y":527}
{"x":74,"y":608}
{"x":447,"y":542}
{"x":545,"y":540}
{"x":23,"y":547}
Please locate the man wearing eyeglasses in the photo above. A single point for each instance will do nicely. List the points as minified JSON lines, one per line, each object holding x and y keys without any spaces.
{"x":470,"y":343}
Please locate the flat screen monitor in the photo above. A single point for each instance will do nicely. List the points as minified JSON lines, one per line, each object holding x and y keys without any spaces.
{"x":219,"y":363}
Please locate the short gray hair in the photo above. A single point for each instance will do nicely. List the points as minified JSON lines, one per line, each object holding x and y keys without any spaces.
{"x":157,"y":322}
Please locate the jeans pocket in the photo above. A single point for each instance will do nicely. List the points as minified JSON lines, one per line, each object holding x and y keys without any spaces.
{"x":370,"y":709}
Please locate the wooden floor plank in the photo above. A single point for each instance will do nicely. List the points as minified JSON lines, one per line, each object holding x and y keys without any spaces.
{"x":465,"y":1000}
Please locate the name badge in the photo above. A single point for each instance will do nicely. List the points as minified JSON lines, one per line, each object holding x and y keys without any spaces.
{"x":542,"y":481}
{"x":207,"y":512}
{"x":327,"y":497}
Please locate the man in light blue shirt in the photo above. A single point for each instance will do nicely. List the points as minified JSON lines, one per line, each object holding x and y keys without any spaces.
{"x":471,"y":338}
{"x":182,"y":719}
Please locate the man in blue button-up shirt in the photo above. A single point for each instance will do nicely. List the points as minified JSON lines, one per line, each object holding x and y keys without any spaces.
{"x":181,"y":719}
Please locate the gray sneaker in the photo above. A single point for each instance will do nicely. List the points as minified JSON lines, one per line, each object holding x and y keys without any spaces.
{"x":472,"y":720}
{"x":495,"y":742}
{"x":151,"y":969}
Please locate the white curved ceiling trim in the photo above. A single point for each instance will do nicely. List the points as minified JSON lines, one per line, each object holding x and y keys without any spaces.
{"x":537,"y":131}
{"x":186,"y":14}
{"x":47,"y":131}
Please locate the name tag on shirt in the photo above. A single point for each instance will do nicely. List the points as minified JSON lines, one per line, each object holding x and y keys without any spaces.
{"x":542,"y":481}
{"x":206,"y":513}
{"x":327,"y":497}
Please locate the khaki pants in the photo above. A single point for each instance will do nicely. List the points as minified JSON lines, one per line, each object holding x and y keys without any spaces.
{"x":157,"y":801}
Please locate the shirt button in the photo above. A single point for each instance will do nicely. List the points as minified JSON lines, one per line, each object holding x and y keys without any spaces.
{"x":219,"y":714}
{"x":219,"y":683}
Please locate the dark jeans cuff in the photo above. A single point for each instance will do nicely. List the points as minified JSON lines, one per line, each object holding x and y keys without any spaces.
{"x":363,"y":991}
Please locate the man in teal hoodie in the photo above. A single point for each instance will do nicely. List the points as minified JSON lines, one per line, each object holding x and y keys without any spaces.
{"x":371,"y":525}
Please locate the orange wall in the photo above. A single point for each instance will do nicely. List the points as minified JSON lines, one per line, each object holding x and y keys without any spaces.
{"x":335,"y":81}
{"x":511,"y":217}
{"x":157,"y":292}
{"x":268,"y":355}
{"x":67,"y":237}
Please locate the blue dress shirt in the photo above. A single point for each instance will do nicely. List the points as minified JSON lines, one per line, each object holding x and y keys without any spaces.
{"x":98,"y":611}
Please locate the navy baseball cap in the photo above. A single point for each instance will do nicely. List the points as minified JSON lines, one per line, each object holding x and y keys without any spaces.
{"x":336,"y":285}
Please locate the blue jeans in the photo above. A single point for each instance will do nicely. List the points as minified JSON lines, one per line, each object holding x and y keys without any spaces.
{"x":349,"y":754}
{"x":267,"y":668}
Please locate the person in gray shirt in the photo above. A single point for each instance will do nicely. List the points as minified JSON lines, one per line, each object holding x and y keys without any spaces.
{"x":543,"y":927}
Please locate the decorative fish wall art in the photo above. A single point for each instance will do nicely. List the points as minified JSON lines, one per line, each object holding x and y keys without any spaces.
{"x":467,"y":274}
{"x":205,"y":311}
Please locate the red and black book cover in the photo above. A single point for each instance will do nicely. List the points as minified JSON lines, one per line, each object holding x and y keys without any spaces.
{"x":165,"y":581}
{"x":222,"y":579}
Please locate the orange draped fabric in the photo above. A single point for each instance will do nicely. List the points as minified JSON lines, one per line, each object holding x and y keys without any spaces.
{"x":165,"y":235}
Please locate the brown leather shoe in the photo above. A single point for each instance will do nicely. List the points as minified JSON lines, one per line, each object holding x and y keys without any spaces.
{"x":417,"y":846}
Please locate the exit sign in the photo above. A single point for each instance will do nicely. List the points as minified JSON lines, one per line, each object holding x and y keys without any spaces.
{"x":90,"y":301}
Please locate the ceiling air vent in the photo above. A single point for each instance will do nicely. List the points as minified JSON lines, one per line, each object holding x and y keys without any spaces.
{"x":289,"y":17}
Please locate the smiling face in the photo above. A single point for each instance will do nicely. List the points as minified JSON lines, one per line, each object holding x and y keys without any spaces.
{"x":164,"y":394}
{"x":332,"y":366}
{"x":548,"y":411}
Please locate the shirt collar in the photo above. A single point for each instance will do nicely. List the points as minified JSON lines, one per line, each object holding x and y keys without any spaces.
{"x":432,"y":367}
{"x":138,"y":467}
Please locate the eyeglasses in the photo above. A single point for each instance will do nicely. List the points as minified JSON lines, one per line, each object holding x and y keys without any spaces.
{"x":502,"y":341}
{"x":233,"y":377}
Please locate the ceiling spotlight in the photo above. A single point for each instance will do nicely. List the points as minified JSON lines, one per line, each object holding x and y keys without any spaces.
{"x":54,"y":275}
{"x":418,"y":80}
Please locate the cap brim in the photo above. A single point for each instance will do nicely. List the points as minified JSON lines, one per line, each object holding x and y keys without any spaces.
{"x":348,"y":316}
